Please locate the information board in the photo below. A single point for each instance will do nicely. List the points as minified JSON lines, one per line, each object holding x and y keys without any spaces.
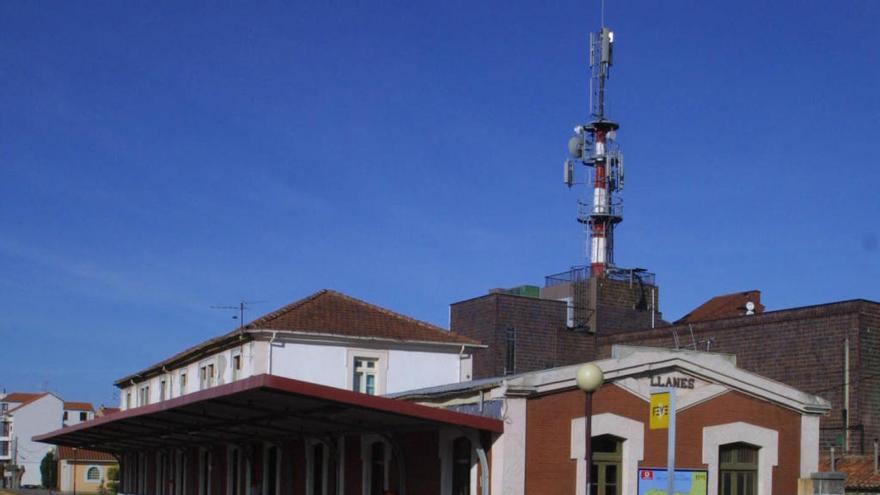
{"x":652,"y":481}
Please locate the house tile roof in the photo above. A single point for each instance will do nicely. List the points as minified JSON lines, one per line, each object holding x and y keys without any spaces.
{"x":65,"y":453}
{"x":726,"y":306}
{"x":859,"y":471}
{"x":330,"y":312}
{"x":22,"y":397}
{"x":325,"y":312}
{"x":78,"y":406}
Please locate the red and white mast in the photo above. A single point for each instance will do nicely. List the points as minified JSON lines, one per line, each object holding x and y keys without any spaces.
{"x":593,"y":145}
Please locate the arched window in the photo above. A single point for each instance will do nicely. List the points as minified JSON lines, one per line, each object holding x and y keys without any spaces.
{"x":461,"y":466}
{"x":738,"y":469}
{"x":93,"y":474}
{"x":606,"y":473}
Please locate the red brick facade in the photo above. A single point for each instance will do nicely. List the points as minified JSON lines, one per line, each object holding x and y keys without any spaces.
{"x":550,"y":469}
{"x":801,"y":347}
{"x":542,"y":339}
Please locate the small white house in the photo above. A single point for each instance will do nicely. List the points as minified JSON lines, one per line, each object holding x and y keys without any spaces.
{"x":77,"y":412}
{"x":25,"y":415}
{"x":327,"y":338}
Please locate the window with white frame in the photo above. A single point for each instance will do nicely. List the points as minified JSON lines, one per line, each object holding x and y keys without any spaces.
{"x":128,"y":400}
{"x":144,"y":395}
{"x":236,"y":367}
{"x":206,"y":376}
{"x":83,"y":416}
{"x":162,"y":387}
{"x":181,"y":383}
{"x":365,"y":376}
{"x":569,"y":311}
{"x":93,"y":474}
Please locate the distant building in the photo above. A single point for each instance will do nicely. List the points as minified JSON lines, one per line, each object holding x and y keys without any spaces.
{"x":77,"y":412}
{"x":326,"y":338}
{"x":828,"y":350}
{"x":83,"y":471}
{"x":24,"y":415}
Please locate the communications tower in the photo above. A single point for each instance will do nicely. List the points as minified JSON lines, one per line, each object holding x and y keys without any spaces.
{"x":594,"y":146}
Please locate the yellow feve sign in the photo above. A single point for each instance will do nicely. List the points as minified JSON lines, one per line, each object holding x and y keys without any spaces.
{"x":659,"y":411}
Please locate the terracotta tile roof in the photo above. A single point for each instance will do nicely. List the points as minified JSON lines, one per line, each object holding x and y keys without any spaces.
{"x":859,"y":471}
{"x":78,"y":406}
{"x":22,"y":397}
{"x":726,"y":306}
{"x":330,"y":312}
{"x":83,"y":455}
{"x":104,"y":411}
{"x":325,"y":312}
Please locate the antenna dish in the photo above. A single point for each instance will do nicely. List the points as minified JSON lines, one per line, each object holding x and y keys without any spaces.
{"x":576,"y":147}
{"x":750,"y":308}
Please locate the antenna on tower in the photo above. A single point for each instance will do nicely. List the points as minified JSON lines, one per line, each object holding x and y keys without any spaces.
{"x":594,"y":145}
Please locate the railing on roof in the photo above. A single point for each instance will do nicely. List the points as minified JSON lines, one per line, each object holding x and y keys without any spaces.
{"x":578,"y":273}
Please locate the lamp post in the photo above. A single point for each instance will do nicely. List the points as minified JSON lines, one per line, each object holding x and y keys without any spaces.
{"x":589,"y":378}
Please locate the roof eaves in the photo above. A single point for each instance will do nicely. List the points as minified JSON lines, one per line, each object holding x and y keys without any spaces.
{"x":335,"y":337}
{"x":186,"y":356}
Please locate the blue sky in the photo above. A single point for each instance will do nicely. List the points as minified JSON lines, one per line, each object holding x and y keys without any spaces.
{"x":160,"y":158}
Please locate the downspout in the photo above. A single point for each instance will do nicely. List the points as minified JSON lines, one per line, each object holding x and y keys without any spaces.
{"x":460,"y":358}
{"x":269,"y":351}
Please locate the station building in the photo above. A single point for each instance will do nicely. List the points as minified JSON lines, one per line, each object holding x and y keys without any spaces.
{"x":511,"y":435}
{"x":327,"y":338}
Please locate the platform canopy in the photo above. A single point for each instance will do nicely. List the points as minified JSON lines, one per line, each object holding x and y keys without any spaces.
{"x":262,"y":407}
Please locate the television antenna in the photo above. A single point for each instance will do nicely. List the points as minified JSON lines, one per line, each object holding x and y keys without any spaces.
{"x":242,"y":306}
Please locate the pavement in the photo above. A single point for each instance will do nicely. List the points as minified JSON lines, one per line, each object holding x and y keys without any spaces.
{"x":34,"y":491}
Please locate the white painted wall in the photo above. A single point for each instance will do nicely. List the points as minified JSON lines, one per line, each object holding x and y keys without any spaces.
{"x":809,"y":445}
{"x":253,"y":362}
{"x":409,"y":370}
{"x":73,"y":417}
{"x":325,"y":363}
{"x":36,"y":418}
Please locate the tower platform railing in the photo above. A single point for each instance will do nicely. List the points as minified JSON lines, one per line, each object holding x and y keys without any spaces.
{"x":588,"y":210}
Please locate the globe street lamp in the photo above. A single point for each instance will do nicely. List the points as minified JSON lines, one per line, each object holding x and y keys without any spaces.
{"x":589,"y":378}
